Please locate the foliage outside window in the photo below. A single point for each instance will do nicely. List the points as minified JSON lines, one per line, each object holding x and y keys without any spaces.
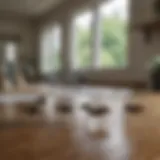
{"x":114,"y":34}
{"x":113,"y":44}
{"x":83,"y":40}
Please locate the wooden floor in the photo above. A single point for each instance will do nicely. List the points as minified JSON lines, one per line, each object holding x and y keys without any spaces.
{"x":144,"y":129}
{"x":118,"y":135}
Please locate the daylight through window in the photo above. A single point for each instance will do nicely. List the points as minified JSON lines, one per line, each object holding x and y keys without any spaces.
{"x":114,"y":21}
{"x":50,"y":60}
{"x":83,"y":40}
{"x":101,"y":36}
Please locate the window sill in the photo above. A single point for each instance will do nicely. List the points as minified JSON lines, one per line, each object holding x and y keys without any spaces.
{"x":99,"y":70}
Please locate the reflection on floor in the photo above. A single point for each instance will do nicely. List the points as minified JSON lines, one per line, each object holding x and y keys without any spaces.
{"x":79,"y":134}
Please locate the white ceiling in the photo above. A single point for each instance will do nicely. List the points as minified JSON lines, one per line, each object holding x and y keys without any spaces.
{"x":27,"y":7}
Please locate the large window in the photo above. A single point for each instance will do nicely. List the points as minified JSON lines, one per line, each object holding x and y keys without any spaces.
{"x":114,"y":21}
{"x":50,"y":60}
{"x":99,"y":39}
{"x":83,"y":40}
{"x":101,"y":36}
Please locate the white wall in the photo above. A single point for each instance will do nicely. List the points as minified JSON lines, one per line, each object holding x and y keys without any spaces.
{"x":139,"y":52}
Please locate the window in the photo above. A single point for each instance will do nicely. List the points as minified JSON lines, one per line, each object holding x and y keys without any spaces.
{"x":51,"y":50}
{"x":83,"y":40}
{"x":11,"y":50}
{"x":101,"y":36}
{"x":114,"y":21}
{"x":8,"y":50}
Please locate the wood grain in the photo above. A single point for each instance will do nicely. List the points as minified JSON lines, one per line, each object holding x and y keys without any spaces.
{"x":71,"y":137}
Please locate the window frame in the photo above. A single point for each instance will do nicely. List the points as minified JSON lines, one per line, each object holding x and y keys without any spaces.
{"x":96,"y":42}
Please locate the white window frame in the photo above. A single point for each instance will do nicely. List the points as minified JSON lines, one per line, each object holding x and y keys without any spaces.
{"x":96,"y":41}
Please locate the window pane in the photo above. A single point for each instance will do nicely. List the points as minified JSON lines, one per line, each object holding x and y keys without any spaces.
{"x":114,"y":34}
{"x":83,"y":40}
{"x":10,"y":51}
{"x":56,"y":43}
{"x":50,"y":50}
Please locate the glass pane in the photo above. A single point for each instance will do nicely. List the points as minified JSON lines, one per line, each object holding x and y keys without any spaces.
{"x":10,"y":52}
{"x":50,"y":50}
{"x":56,"y":47}
{"x":114,"y":34}
{"x":83,"y":40}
